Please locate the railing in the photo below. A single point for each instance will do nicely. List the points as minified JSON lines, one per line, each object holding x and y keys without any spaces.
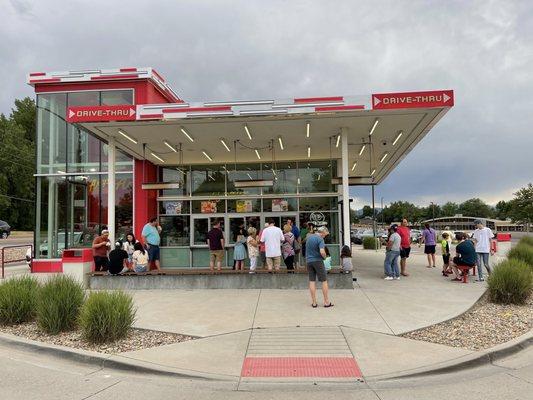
{"x":4,"y":261}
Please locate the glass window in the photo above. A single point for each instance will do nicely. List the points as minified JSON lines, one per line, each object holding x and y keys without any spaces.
{"x":84,"y":99}
{"x":84,"y":151}
{"x":315,"y":176}
{"x":244,"y":206}
{"x":51,"y":133}
{"x":123,"y":205}
{"x":208,"y":180}
{"x":200,"y":229}
{"x":327,"y":219}
{"x":243,"y":172}
{"x":208,"y":206}
{"x":236,"y":228}
{"x":175,"y":230}
{"x":175,"y":174}
{"x":284,"y":175}
{"x":318,"y":203}
{"x":123,"y":162}
{"x":174,"y":207}
{"x":117,"y":97}
{"x":280,"y":205}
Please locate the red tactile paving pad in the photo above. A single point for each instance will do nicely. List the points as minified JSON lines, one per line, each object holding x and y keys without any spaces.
{"x":298,"y":367}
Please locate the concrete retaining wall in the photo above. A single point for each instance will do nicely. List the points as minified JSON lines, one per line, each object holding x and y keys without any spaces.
{"x":233,"y":281}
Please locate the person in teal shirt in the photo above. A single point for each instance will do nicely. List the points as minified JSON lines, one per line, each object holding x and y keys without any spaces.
{"x":151,"y":240}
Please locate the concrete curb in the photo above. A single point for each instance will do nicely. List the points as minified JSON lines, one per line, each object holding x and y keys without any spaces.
{"x":476,"y":359}
{"x":111,"y":361}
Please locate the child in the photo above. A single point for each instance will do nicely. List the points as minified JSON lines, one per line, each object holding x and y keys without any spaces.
{"x":253,"y":248}
{"x":445,"y":244}
{"x":140,"y":258}
{"x":327,"y":261}
{"x":239,"y":251}
{"x":346,"y":259}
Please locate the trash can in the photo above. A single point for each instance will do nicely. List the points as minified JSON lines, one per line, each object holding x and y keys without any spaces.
{"x":78,"y":264}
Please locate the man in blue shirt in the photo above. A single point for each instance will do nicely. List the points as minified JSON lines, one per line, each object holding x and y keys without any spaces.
{"x":151,"y":240}
{"x":315,"y":253}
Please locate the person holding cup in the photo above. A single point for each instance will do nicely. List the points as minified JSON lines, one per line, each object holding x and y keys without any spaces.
{"x":101,"y":245}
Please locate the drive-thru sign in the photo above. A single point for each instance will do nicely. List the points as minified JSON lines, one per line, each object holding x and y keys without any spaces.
{"x":437,"y":98}
{"x":101,"y":113}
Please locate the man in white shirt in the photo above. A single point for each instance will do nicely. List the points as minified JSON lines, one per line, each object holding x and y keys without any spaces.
{"x":482,"y":237}
{"x":272,"y":237}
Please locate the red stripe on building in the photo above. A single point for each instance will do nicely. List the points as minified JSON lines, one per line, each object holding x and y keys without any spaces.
{"x":158,"y":76}
{"x":197,"y":109}
{"x":37,"y":73}
{"x":104,"y":77}
{"x":340,"y":108}
{"x":151,"y":116}
{"x":299,"y":367}
{"x":318,"y":99}
{"x":128,"y":70}
{"x":49,"y":80}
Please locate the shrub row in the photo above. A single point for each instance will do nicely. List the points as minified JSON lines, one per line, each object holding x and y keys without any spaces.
{"x":511,"y":282}
{"x":371,"y":243}
{"x":60,"y":305}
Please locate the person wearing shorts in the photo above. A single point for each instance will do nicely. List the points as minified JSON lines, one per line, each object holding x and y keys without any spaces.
{"x":315,"y":253}
{"x":429,"y":239}
{"x":405,"y":246}
{"x":272,"y":237}
{"x":152,"y":239}
{"x":215,"y":241}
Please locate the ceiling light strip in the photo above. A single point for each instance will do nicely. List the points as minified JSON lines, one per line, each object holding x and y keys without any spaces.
{"x":373,"y":127}
{"x":307,"y":128}
{"x":362,"y":149}
{"x":207,"y":155}
{"x":308,"y":151}
{"x":383,"y":157}
{"x":157,"y":157}
{"x":127,"y":136}
{"x":354,"y":165}
{"x":338,"y":141}
{"x":224,"y":144}
{"x":170,"y":146}
{"x":248,"y":132}
{"x":400,"y":133}
{"x":257,"y":154}
{"x":280,"y":140}
{"x":182,"y":129}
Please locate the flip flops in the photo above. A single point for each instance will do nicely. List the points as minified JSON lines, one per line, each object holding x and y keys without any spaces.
{"x":314,"y":305}
{"x":328,"y":305}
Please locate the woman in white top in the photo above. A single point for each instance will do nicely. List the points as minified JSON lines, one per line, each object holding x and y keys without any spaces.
{"x":140,"y":258}
{"x":252,"y":243}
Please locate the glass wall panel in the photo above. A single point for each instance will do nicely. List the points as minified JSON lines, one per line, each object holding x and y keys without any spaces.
{"x":176,"y":257}
{"x":243,"y":172}
{"x":244,"y":206}
{"x":116,"y":97}
{"x":84,"y":151}
{"x":180,"y":175}
{"x":208,"y":206}
{"x":200,"y":229}
{"x":327,"y":219}
{"x":123,"y":162}
{"x":175,"y":230}
{"x":280,"y":205}
{"x":315,"y":176}
{"x":174,"y":207}
{"x":284,"y":175}
{"x":84,"y":99}
{"x":51,"y":133}
{"x":318,"y":203}
{"x":208,"y":180}
{"x":123,"y":205}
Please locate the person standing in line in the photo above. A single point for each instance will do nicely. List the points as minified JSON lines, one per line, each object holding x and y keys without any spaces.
{"x":445,"y":254}
{"x":272,"y":237}
{"x":392,"y":254}
{"x":239,"y":250}
{"x":405,"y":246}
{"x":215,"y":241}
{"x":450,"y":236}
{"x":152,"y":239}
{"x":253,"y":248}
{"x":262,"y":246}
{"x":287,"y":248}
{"x":429,"y":239}
{"x":100,"y":246}
{"x":315,"y":254}
{"x":482,"y":238}
{"x":297,"y":244}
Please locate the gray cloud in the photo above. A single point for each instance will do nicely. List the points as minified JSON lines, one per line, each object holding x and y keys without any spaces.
{"x":281,"y":49}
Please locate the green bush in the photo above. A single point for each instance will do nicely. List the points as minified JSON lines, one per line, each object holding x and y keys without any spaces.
{"x":18,"y":299}
{"x":371,"y":243}
{"x":511,"y":282}
{"x":527,"y":240}
{"x":522,"y":252}
{"x":59,"y":304}
{"x":107,"y":316}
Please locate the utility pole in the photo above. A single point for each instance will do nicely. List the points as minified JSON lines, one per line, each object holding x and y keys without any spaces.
{"x":382,"y":220}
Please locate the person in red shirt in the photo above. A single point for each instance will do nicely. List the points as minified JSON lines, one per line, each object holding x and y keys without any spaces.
{"x":101,"y":245}
{"x":405,"y":246}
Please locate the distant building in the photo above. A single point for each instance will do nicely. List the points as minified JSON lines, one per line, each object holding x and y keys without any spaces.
{"x":462,"y":223}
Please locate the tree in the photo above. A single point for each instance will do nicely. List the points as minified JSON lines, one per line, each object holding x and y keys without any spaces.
{"x":475,"y":208}
{"x":521,"y":209}
{"x":367,"y":211}
{"x":502,"y":209}
{"x":398,"y":210}
{"x":449,"y":209}
{"x":24,"y":116}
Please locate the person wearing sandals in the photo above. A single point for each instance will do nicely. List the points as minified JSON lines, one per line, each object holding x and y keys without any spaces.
{"x":239,"y":250}
{"x":252,"y":243}
{"x":315,"y":253}
{"x":392,"y":254}
{"x":287,"y":248}
{"x":140,"y":258}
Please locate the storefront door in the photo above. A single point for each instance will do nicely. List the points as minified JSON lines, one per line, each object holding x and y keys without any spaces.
{"x":280,"y":219}
{"x":236,"y":221}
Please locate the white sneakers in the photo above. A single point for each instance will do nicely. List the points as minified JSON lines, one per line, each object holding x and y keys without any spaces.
{"x":388,"y":278}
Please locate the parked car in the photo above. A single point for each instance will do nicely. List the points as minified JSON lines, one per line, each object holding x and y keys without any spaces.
{"x":359,"y":236}
{"x":353,"y":232}
{"x":5,"y":230}
{"x":415,"y":235}
{"x":78,"y":240}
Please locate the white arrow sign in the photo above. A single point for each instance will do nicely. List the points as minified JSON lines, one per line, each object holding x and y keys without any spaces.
{"x":376,"y":101}
{"x":71,"y":113}
{"x":132,"y":111}
{"x":445,"y":97}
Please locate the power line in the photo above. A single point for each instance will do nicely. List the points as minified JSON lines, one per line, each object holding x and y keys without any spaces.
{"x":17,"y":198}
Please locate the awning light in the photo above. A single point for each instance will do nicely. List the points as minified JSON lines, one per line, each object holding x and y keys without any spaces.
{"x":308,"y":128}
{"x":127,"y":136}
{"x":338,"y":141}
{"x":374,"y":126}
{"x":157,"y":157}
{"x":308,"y":151}
{"x":257,"y":154}
{"x":207,"y":155}
{"x":362,"y":149}
{"x":373,"y":172}
{"x":354,"y":165}
{"x":186,"y":134}
{"x":280,"y":140}
{"x":248,"y":132}
{"x":400,"y":133}
{"x":383,"y":157}
{"x":298,"y":181}
{"x":170,"y":146}
{"x":224,"y":144}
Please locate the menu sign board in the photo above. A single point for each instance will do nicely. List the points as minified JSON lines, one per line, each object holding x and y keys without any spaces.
{"x":280,"y":205}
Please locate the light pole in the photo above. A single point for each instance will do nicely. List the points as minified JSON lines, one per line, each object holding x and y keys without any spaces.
{"x":382,"y":220}
{"x":433,"y":214}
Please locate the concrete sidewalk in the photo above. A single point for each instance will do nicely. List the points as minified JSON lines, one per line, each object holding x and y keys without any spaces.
{"x":367,"y":319}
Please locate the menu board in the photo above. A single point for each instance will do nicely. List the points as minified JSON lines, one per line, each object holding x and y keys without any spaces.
{"x":244,"y":206}
{"x":208,"y":207}
{"x":280,"y":205}
{"x":173,"y":207}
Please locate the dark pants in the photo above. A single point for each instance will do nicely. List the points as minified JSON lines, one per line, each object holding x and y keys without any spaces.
{"x":289,"y":262}
{"x":100,"y":263}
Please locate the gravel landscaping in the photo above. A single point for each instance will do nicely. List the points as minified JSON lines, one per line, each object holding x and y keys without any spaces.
{"x":484,"y":326}
{"x":137,"y":339}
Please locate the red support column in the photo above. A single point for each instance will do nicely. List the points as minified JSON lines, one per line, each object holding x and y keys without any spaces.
{"x":145,"y":201}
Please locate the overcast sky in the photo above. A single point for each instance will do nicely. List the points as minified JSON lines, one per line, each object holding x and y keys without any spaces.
{"x":283,"y":49}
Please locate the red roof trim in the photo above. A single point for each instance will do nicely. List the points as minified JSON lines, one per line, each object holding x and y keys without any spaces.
{"x":128,"y":69}
{"x":37,"y":73}
{"x":157,"y":74}
{"x":49,"y":80}
{"x":340,"y":108}
{"x":318,"y":99}
{"x":151,"y":116}
{"x":197,"y":109}
{"x":109,"y":77}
